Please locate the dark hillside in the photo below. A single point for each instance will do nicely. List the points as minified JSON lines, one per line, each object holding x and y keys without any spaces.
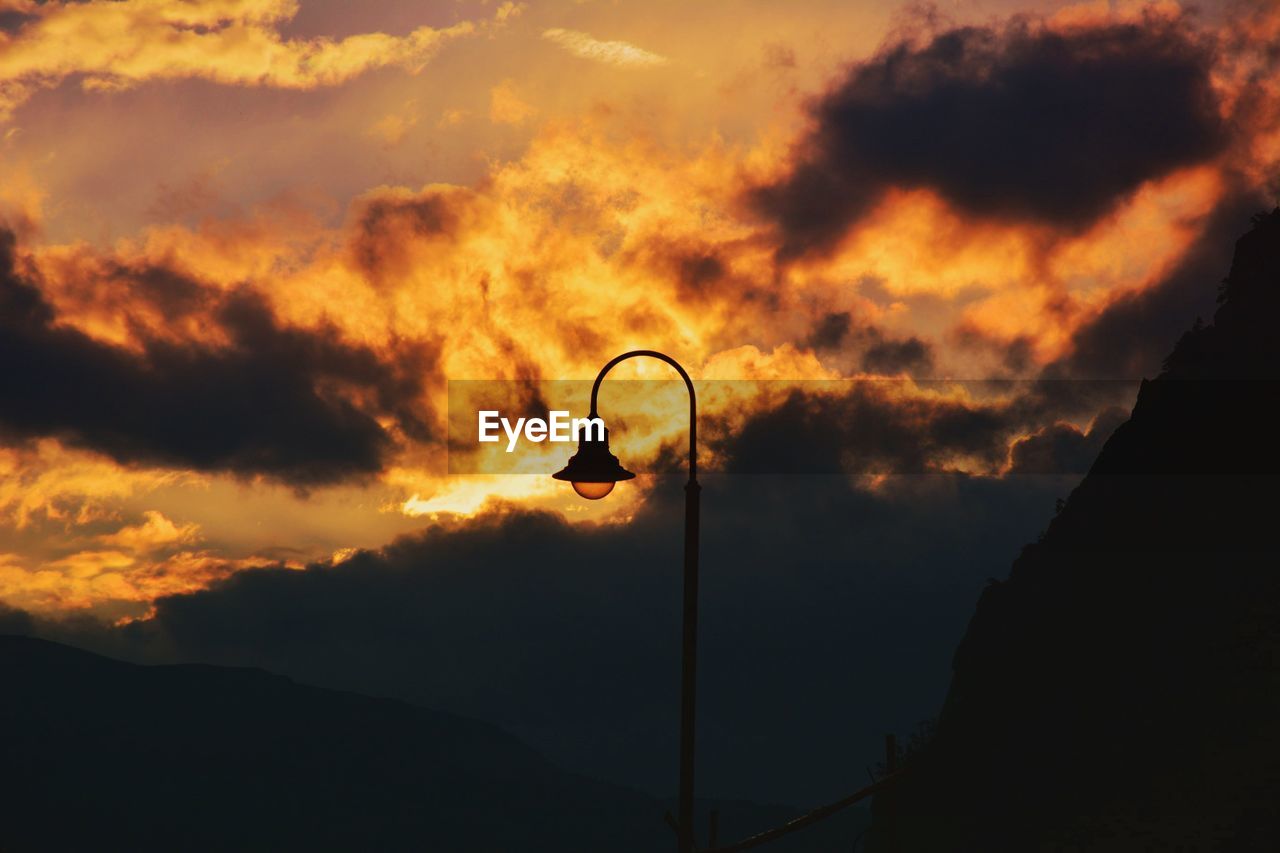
{"x":102,"y":755}
{"x":1121,"y":689}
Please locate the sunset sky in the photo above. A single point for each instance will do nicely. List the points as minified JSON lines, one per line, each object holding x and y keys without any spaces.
{"x":244,"y":245}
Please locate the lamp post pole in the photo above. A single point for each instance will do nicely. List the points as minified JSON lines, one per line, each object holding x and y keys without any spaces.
{"x":689,"y":636}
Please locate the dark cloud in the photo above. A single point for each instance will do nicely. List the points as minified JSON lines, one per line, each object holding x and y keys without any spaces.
{"x":897,"y":355}
{"x":702,"y":274}
{"x":275,"y":401}
{"x":697,"y":272}
{"x":909,"y":426}
{"x":172,"y":293}
{"x":1018,"y":122}
{"x":1016,"y":356}
{"x":387,"y":224}
{"x":830,"y":331}
{"x":568,"y":636}
{"x":879,"y":352}
{"x":1061,"y":448}
{"x":13,"y":20}
{"x":867,"y":429}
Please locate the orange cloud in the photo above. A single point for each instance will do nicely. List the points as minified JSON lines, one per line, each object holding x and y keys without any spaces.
{"x":115,"y":44}
{"x":122,"y":582}
{"x":47,"y":482}
{"x":584,"y":246}
{"x":602,"y":235}
{"x":154,"y":533}
{"x":506,"y":106}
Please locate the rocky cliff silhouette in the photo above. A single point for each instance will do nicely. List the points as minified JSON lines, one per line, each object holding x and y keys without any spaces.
{"x":1120,"y":691}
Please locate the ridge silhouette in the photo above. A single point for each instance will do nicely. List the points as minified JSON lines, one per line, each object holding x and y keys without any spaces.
{"x":102,"y":755}
{"x":1120,"y":691}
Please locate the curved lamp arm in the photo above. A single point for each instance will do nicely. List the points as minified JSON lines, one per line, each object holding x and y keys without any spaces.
{"x":693,"y":399}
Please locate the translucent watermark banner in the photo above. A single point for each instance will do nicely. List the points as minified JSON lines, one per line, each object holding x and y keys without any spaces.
{"x":844,"y":426}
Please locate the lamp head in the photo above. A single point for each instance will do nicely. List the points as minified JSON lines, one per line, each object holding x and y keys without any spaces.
{"x":593,"y":470}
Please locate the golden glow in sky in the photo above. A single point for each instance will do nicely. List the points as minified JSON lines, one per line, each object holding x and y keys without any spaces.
{"x":359,"y":202}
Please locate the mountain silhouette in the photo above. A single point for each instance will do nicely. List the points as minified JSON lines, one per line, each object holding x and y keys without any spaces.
{"x":103,"y":755}
{"x":1120,"y":691}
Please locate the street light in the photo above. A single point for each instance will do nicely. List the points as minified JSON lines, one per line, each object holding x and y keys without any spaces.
{"x":594,"y":471}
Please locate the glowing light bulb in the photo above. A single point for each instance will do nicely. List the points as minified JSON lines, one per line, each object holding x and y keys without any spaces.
{"x":593,"y":491}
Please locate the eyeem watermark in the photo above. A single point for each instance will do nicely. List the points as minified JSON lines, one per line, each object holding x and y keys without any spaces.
{"x":751,"y":426}
{"x":558,"y":426}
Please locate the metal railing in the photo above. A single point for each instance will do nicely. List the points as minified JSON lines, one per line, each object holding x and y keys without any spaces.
{"x":892,"y":775}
